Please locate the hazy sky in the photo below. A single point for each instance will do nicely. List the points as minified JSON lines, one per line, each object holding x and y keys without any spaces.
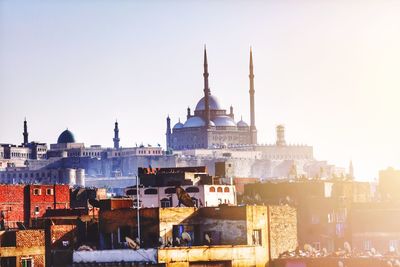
{"x":327,"y":70}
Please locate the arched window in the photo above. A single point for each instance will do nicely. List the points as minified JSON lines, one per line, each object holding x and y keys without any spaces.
{"x":131,"y":192}
{"x":170,"y":190}
{"x":226,"y":189}
{"x":151,"y":191}
{"x":212,"y":189}
{"x":165,"y":203}
{"x":192,"y":189}
{"x":219,"y":189}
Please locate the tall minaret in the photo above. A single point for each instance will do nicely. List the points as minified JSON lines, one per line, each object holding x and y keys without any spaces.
{"x":253,"y":130}
{"x":168,"y":133}
{"x":25,"y":133}
{"x":351,"y":170}
{"x":116,"y":136}
{"x":206,"y":90}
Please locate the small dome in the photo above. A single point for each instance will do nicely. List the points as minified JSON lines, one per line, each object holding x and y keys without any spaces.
{"x":242,"y":123}
{"x":66,"y":137}
{"x":194,"y":122}
{"x":224,"y":121}
{"x":212,"y":102}
{"x":179,"y":125}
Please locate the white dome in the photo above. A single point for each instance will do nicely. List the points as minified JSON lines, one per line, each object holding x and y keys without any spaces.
{"x":242,"y":123}
{"x":194,"y":122}
{"x":224,"y":121}
{"x":179,"y":125}
{"x":212,"y":102}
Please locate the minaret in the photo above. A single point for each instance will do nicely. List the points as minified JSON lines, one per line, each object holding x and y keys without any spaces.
{"x":351,"y":170}
{"x":206,"y":90}
{"x":168,"y":133}
{"x":280,"y":135}
{"x":25,"y":133}
{"x":253,"y":130}
{"x":188,"y":113}
{"x":116,"y":136}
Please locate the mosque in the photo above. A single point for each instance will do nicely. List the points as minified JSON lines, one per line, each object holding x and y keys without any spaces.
{"x":211,"y":126}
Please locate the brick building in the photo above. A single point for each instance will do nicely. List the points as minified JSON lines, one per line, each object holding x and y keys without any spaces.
{"x":22,"y":248}
{"x":11,"y":205}
{"x":24,"y":203}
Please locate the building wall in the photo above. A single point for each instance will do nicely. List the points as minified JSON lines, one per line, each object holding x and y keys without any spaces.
{"x":12,"y":204}
{"x":283,"y":229}
{"x":208,"y":195}
{"x":23,"y":244}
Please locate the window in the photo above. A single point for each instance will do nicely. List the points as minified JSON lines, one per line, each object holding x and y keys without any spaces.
{"x":123,"y":231}
{"x":37,"y":191}
{"x":37,"y":209}
{"x":212,"y":189}
{"x":192,"y":189}
{"x":367,"y":244}
{"x":226,"y":189}
{"x":165,"y":203}
{"x":393,"y":245}
{"x":27,"y":262}
{"x":131,"y":192}
{"x":219,"y":189}
{"x":257,"y":237}
{"x":151,"y":191}
{"x":49,"y":191}
{"x":170,"y":190}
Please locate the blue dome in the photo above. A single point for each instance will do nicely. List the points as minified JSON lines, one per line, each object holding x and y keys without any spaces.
{"x":212,"y":102}
{"x":179,"y":125}
{"x":66,"y":137}
{"x":242,"y":123}
{"x":224,"y":121}
{"x":194,"y":122}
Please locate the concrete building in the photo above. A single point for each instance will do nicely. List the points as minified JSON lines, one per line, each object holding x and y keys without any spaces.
{"x":220,"y":236}
{"x":389,"y":184}
{"x":43,"y":176}
{"x":374,"y":226}
{"x":322,"y":207}
{"x":201,"y":195}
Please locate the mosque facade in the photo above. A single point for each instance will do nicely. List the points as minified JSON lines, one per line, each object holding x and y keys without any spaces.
{"x":211,"y":126}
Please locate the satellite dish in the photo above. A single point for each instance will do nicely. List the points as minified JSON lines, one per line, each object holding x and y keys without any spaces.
{"x":170,"y":241}
{"x":84,"y":248}
{"x":186,"y":237}
{"x":132,"y":243}
{"x":208,"y":239}
{"x":161,"y":242}
{"x":308,"y":248}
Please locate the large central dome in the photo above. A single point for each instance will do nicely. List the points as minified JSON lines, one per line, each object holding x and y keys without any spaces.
{"x":212,"y":102}
{"x":66,"y":137}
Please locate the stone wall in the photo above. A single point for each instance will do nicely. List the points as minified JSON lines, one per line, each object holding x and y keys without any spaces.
{"x":283,"y":229}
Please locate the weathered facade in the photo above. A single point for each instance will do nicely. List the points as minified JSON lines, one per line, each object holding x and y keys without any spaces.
{"x":22,"y":248}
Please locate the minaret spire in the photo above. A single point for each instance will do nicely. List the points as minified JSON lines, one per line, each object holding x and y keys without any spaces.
{"x":116,"y":135}
{"x":206,"y":90}
{"x":25,"y":133}
{"x":168,"y":133}
{"x":253,"y":130}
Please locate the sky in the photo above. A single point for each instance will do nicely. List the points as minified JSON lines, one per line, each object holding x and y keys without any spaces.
{"x":327,"y":70}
